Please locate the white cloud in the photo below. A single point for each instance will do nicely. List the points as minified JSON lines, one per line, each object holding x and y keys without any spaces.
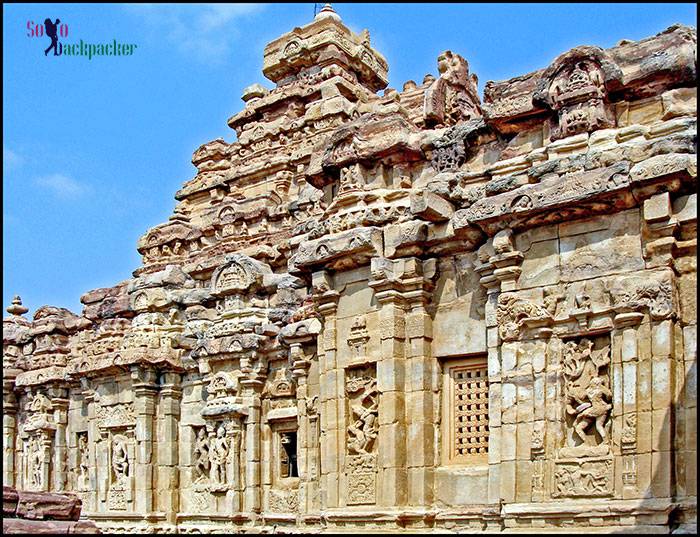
{"x":10,"y":159}
{"x":204,"y":31}
{"x":62,"y":186}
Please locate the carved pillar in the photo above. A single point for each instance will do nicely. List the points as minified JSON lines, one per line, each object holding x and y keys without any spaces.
{"x":60,"y":451}
{"x":145,"y":391}
{"x":407,"y":380}
{"x":514,"y":393}
{"x":492,"y":285}
{"x":251,"y":389}
{"x":97,"y":488}
{"x":331,"y":388}
{"x":307,"y":437}
{"x":300,"y":373}
{"x":9,"y":433}
{"x":662,"y":402}
{"x":391,"y":376}
{"x":168,"y":420}
{"x":625,"y":363}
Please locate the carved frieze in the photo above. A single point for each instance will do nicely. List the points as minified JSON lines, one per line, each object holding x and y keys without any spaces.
{"x":286,"y":501}
{"x":536,"y":204}
{"x":582,"y":478}
{"x":653,"y":292}
{"x":116,"y":416}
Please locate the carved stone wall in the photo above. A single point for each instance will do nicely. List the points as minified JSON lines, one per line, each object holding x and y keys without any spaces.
{"x":418,"y":310}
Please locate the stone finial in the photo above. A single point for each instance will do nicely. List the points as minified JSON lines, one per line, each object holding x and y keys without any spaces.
{"x":16,"y":308}
{"x":327,"y":12}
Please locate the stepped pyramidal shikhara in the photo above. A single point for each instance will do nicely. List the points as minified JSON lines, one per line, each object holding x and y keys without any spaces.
{"x":411,"y":310}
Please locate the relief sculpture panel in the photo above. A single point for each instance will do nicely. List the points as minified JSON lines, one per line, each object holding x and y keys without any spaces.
{"x":363,"y":410}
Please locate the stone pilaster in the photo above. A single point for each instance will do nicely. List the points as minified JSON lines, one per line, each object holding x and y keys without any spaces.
{"x":9,"y":433}
{"x":330,"y":392}
{"x":625,"y":363}
{"x":307,"y":434}
{"x":251,"y":388}
{"x":408,"y":379}
{"x":170,"y":399}
{"x":95,"y":489}
{"x":391,"y":380}
{"x":662,"y":402}
{"x":145,"y":393}
{"x":515,"y":390}
{"x":60,"y":449}
{"x":492,"y":285}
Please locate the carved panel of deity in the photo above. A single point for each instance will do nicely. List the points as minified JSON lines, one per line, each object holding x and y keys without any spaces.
{"x":121,"y":467}
{"x":220,"y":453}
{"x":587,"y":396}
{"x":362,"y":433}
{"x":35,"y":462}
{"x":83,"y":474}
{"x":288,"y":454}
{"x":201,"y":458}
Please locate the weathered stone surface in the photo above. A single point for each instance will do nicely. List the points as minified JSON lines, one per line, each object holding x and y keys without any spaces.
{"x":12,"y":526}
{"x":42,"y":505}
{"x":414,"y":311}
{"x":27,"y":512}
{"x":10,"y":498}
{"x":428,"y":206}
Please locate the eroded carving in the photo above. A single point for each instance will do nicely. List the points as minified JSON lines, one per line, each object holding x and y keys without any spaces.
{"x":588,"y":396}
{"x":514,"y":313}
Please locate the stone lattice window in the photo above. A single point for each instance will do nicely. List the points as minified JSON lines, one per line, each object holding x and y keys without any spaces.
{"x":466,"y":411}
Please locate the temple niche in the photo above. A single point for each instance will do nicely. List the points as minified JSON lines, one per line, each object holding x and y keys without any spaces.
{"x":382,"y":310}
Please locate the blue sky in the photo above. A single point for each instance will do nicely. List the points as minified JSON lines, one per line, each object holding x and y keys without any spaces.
{"x":94,"y":150}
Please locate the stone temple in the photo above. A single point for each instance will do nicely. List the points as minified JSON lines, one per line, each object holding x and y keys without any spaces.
{"x":415,"y":310}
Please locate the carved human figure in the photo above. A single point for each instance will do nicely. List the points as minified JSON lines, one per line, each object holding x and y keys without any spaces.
{"x":202,"y":462}
{"x":84,"y":453}
{"x":564,"y":481}
{"x":35,"y":463}
{"x":120,"y":460}
{"x":595,"y":410}
{"x":592,"y":481}
{"x":218,"y":457}
{"x":364,"y":428}
{"x":588,"y":395}
{"x":288,"y":444}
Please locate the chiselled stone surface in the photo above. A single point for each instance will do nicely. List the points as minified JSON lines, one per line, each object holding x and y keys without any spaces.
{"x":409,"y":310}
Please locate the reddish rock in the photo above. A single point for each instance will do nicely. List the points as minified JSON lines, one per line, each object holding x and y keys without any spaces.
{"x":48,"y":506}
{"x":48,"y":527}
{"x":9,"y":501}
